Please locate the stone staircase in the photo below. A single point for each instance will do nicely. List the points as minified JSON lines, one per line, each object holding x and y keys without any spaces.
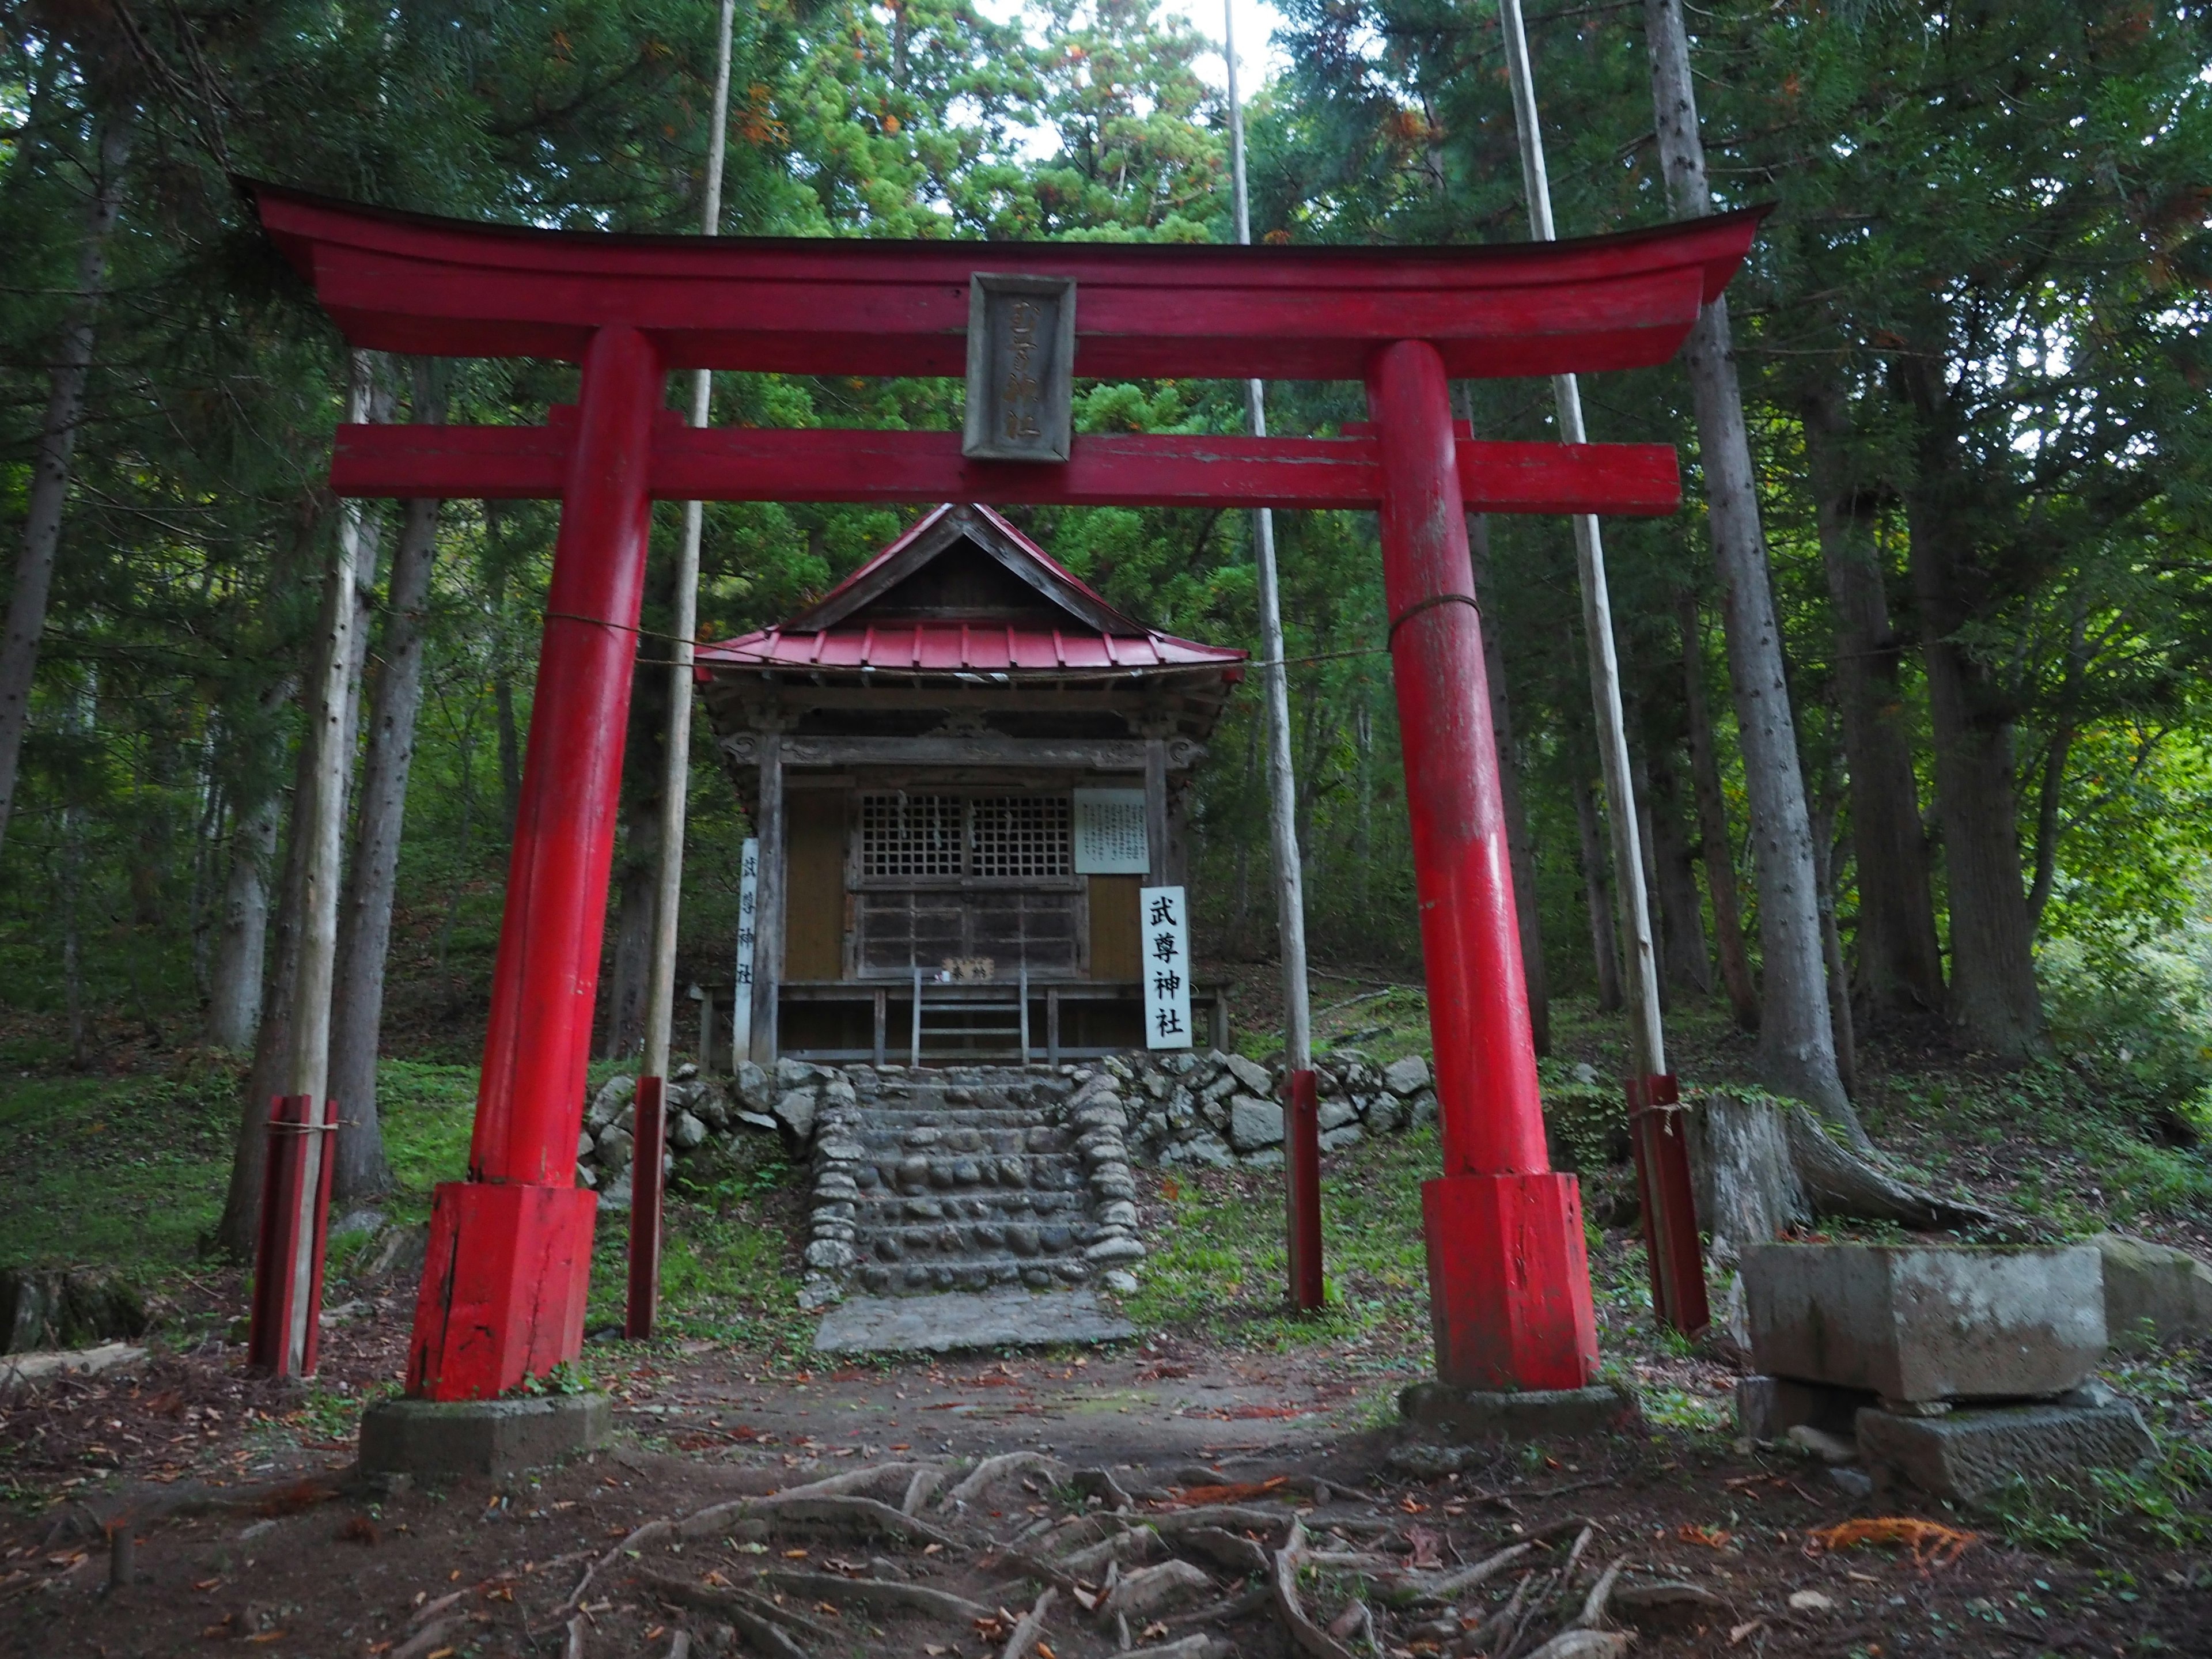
{"x":967,"y":1179}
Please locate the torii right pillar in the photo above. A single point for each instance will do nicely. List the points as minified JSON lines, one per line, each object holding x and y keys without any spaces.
{"x":1509,"y":1273}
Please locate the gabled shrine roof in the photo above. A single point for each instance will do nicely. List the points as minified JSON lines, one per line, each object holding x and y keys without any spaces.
{"x":1039,"y":617}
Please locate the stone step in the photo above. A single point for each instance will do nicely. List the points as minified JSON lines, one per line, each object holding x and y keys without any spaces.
{"x":921,"y":1163}
{"x":938,"y":1139}
{"x":892,"y":1119}
{"x":1037,"y":1235}
{"x":880,"y":1209}
{"x":971,"y":1273}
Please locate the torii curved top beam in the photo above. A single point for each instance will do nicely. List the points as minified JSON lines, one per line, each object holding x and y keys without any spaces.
{"x":411,"y":283}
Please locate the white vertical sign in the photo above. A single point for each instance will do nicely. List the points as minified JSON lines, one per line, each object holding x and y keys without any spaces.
{"x":741,"y":1004}
{"x":1164,"y":928}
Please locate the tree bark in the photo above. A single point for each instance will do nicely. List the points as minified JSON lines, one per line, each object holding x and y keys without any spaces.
{"x":1688,"y":960}
{"x":502,"y":679}
{"x":1994,"y":1001}
{"x":1597,"y":894}
{"x":1831,"y":946}
{"x":1759,"y":1166}
{"x":1639,"y":774}
{"x":637,"y":874}
{"x":277,"y":1038}
{"x":50,"y":464}
{"x":1519,"y":854}
{"x":365,"y":916}
{"x":1901,"y":963}
{"x":241,"y":947}
{"x":1716,"y":844}
{"x":1797,"y":1045}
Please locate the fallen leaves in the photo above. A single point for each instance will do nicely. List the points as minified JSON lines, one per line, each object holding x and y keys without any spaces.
{"x":1713,"y":1538}
{"x":1238,"y":1491}
{"x":1932,"y":1543}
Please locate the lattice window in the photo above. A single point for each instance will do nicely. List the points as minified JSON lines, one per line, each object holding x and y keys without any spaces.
{"x":1020,"y":837}
{"x":911,"y":835}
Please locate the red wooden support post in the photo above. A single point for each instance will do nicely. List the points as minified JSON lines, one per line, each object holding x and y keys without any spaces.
{"x":1509,"y":1273}
{"x":268,"y":1328}
{"x":1302,"y":1145}
{"x":503,"y":1290}
{"x":1671,"y":1247}
{"x":320,"y":1243}
{"x":648,"y":1143}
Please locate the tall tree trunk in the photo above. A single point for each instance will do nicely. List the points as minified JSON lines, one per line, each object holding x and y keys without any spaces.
{"x":1689,"y":962}
{"x":241,"y":943}
{"x":1832,"y":940}
{"x":1597,"y":894}
{"x":1519,"y":854}
{"x":235,"y":983}
{"x":637,"y":874}
{"x":1901,"y":963}
{"x":1994,"y":999}
{"x":1715,"y":843}
{"x":502,"y":678}
{"x":1639,"y":775}
{"x":273,"y":1042}
{"x":1796,"y":1039}
{"x":365,"y":914}
{"x":50,"y":462}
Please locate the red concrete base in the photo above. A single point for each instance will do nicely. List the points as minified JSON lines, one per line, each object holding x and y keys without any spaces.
{"x":1509,"y":1282}
{"x":503,"y":1287}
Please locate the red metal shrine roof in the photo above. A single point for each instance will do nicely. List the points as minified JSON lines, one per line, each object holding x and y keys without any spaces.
{"x":879,"y":618}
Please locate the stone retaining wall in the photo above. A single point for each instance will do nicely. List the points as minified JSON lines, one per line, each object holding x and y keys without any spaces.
{"x":1197,"y":1106}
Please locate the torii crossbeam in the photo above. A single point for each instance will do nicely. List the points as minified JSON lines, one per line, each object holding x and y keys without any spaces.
{"x":503,"y":1292}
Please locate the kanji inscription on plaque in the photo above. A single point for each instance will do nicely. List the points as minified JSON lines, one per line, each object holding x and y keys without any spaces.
{"x":1021,"y":353}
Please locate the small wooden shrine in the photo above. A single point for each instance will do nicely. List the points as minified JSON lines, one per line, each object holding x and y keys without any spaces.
{"x":962,"y":765}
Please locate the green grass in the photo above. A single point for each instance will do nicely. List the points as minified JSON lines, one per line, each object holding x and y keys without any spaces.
{"x":1220,"y":1263}
{"x":2167,"y":1502}
{"x":129,"y":1172}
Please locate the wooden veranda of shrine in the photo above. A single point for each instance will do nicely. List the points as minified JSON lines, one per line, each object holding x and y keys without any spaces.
{"x":503,"y":1292}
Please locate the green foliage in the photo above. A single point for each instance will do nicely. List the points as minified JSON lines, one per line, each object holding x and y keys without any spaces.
{"x":1585,"y":1123}
{"x":2167,"y":1504}
{"x":123,"y":1171}
{"x":1218,"y":1261}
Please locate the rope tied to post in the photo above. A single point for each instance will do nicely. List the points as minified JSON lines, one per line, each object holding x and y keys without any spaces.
{"x":1429,"y":603}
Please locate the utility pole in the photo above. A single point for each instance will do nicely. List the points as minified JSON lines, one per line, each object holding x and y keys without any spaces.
{"x":1677,"y":1265}
{"x":676,"y":778}
{"x":1301,"y":1125}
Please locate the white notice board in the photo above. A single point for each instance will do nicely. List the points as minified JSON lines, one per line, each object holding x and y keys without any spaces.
{"x":1109,"y":833}
{"x":741,"y":1008}
{"x":1164,"y":930}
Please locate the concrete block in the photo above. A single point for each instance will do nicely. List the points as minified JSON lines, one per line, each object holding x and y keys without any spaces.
{"x":1439,"y":1411}
{"x":1768,"y":1407}
{"x":1967,"y":1454}
{"x":2152,"y":1291}
{"x":1913,"y":1322}
{"x":433,"y":1438}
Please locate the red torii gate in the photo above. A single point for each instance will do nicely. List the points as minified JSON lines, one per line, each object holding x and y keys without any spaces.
{"x":503,"y":1292}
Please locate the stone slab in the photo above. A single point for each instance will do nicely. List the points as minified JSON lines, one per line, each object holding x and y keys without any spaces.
{"x":1438,"y":1410}
{"x":1768,"y":1407}
{"x":2152,"y":1291}
{"x":1914,"y":1323}
{"x":430,"y":1438}
{"x":967,"y":1319}
{"x":1967,"y":1454}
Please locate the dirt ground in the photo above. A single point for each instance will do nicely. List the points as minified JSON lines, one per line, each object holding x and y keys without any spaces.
{"x":248,"y":1532}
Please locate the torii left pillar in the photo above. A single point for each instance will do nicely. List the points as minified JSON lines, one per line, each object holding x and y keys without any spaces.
{"x":510,"y":1252}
